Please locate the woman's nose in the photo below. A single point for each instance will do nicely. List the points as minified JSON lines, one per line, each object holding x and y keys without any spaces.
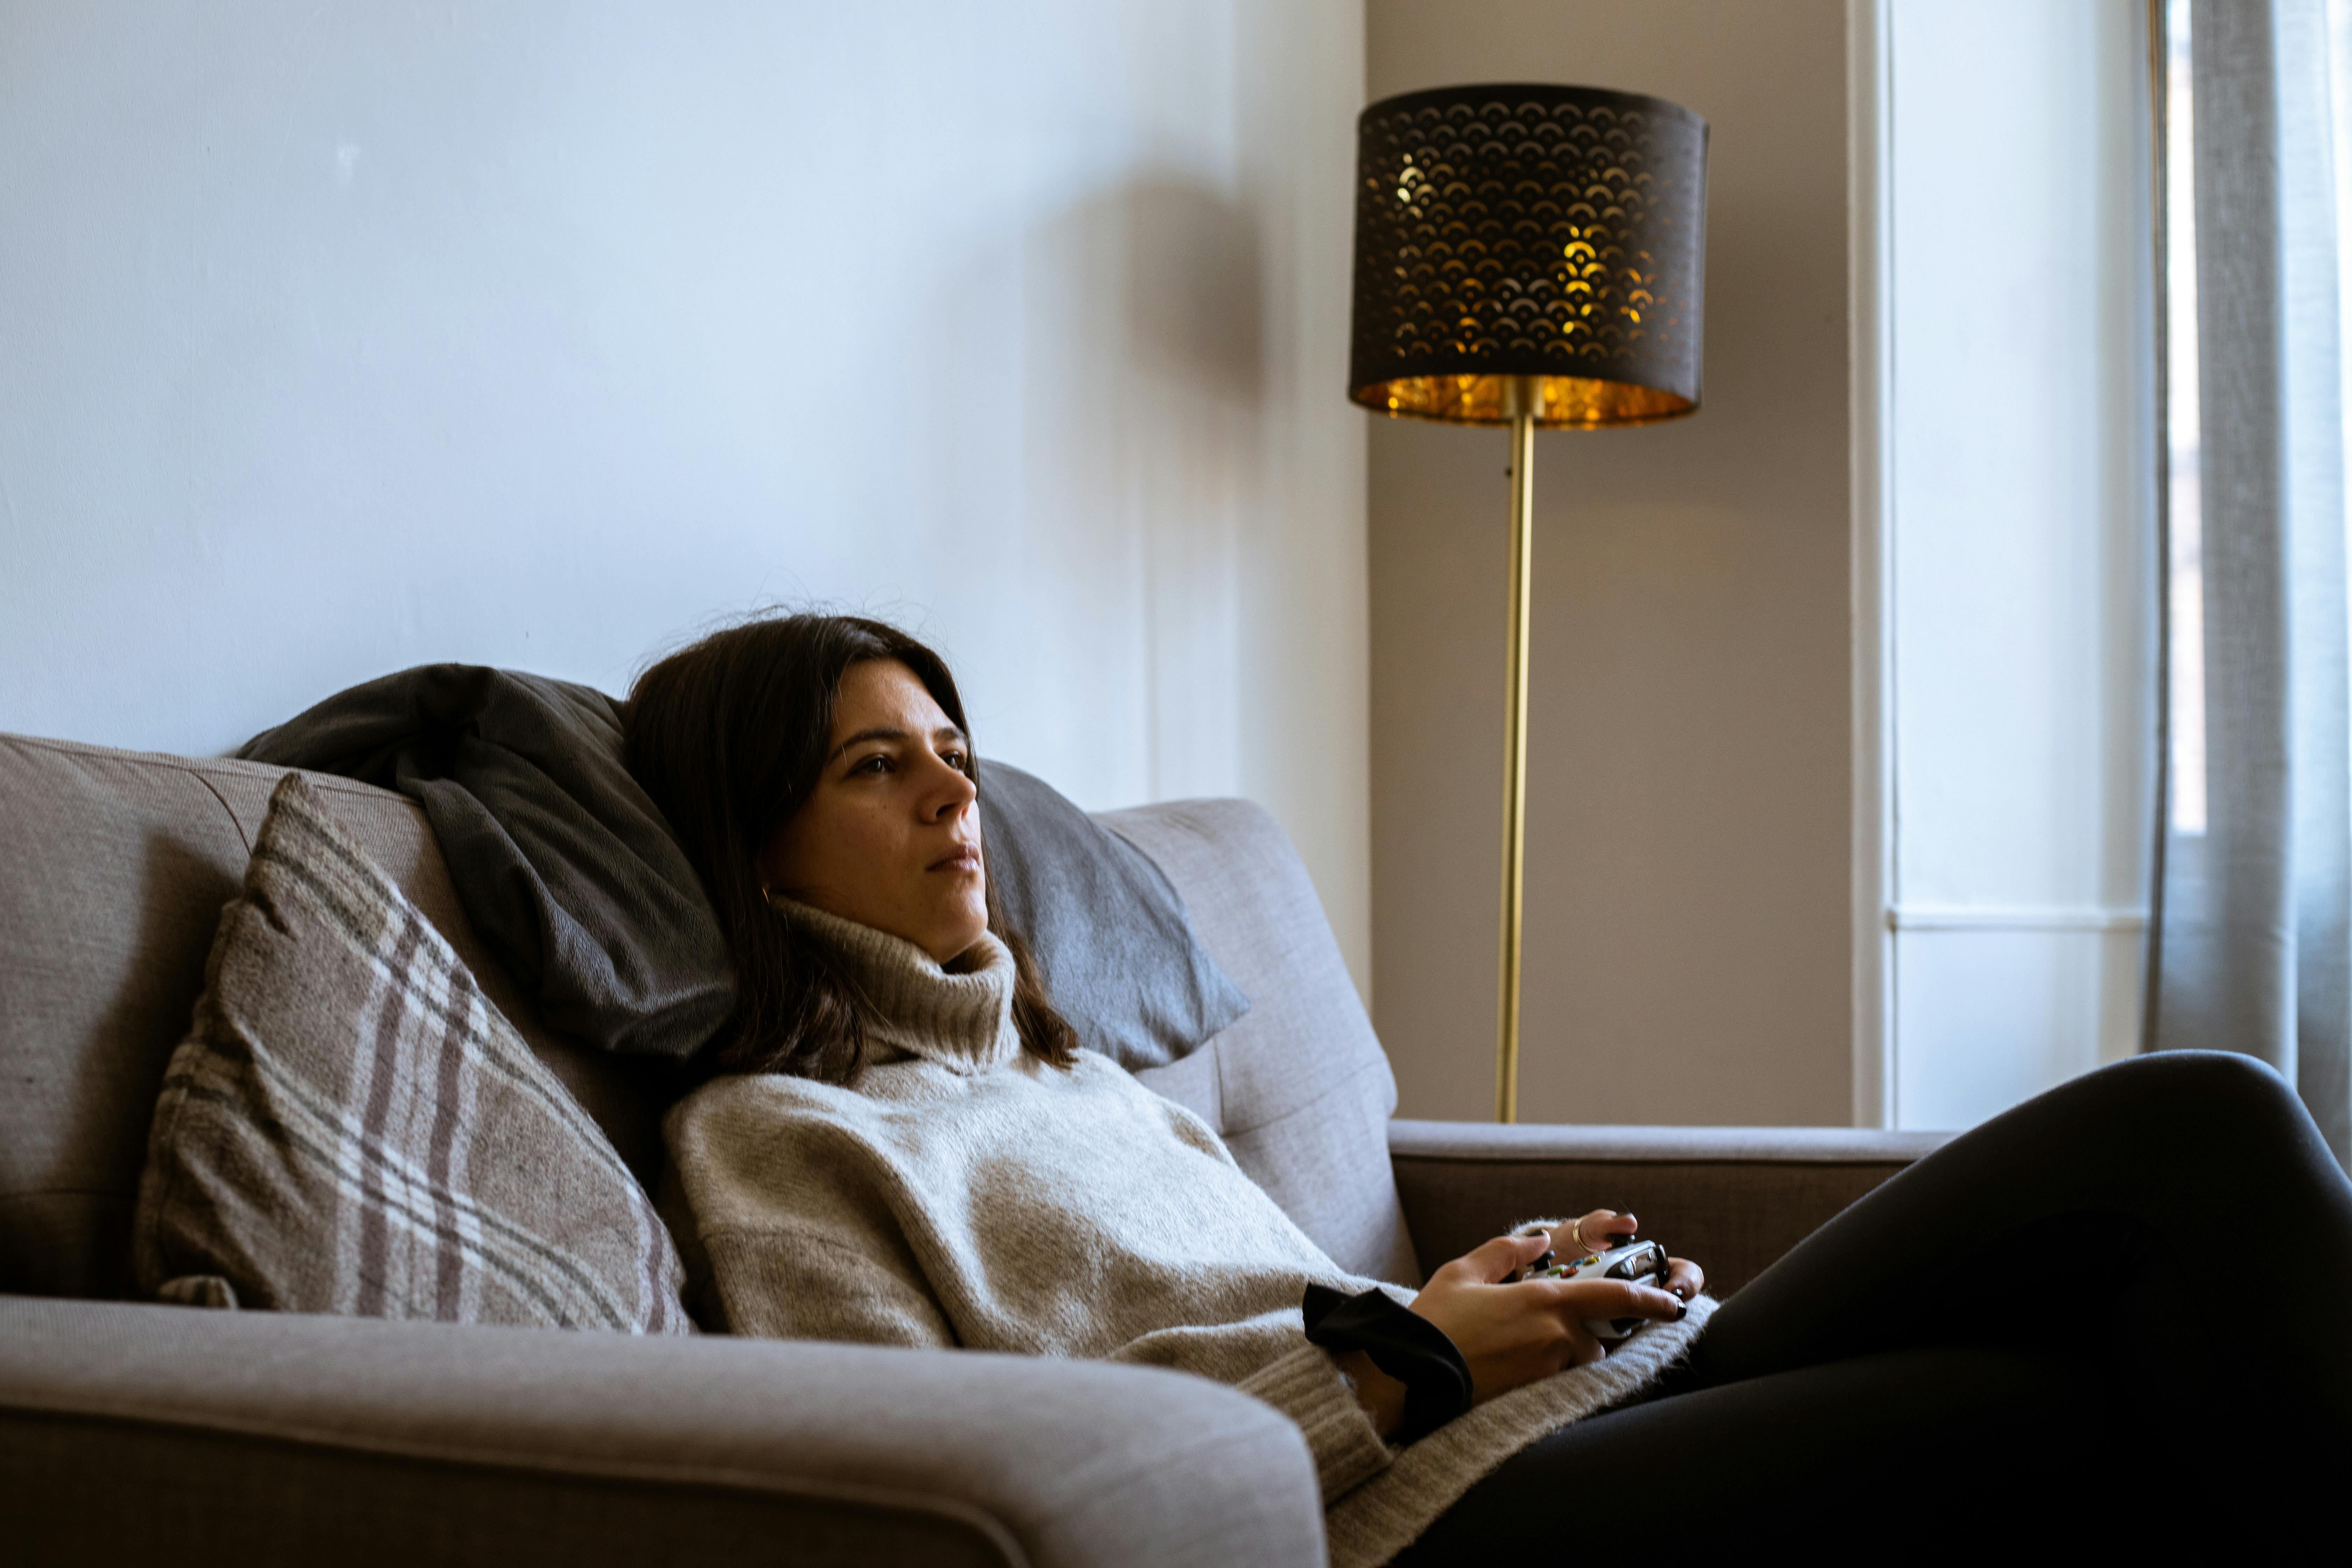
{"x":956,"y":792}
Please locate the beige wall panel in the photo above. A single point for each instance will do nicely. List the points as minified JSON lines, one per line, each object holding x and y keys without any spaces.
{"x":1689,"y":841}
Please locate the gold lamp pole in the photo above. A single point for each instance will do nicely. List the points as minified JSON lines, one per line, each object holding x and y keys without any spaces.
{"x":1524,"y":396}
{"x":1531,"y":256}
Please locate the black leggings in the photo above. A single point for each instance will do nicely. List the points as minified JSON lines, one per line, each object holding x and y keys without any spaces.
{"x":2122,"y":1309}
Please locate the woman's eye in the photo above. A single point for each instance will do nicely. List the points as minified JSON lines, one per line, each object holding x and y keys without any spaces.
{"x":879,"y":763}
{"x":958,"y":761}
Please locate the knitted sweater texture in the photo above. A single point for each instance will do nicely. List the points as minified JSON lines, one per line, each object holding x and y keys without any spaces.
{"x":963,"y":1194}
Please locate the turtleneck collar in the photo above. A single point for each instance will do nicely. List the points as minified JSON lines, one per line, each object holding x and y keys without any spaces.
{"x":958,"y":1016}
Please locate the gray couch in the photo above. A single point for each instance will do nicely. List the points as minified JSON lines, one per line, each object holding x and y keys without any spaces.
{"x":178,"y":1433}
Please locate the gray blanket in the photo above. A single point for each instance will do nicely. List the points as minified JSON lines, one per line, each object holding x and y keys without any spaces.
{"x":570,"y":874}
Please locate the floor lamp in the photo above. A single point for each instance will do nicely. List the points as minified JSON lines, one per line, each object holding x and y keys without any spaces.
{"x":1526,"y":256}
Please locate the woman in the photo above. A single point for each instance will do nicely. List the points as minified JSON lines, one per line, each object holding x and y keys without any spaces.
{"x":902,"y":1144}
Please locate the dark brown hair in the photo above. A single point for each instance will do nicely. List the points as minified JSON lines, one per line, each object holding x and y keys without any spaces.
{"x":729,"y":737}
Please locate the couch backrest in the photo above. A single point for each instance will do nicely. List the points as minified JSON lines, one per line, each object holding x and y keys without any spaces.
{"x":114,"y":866}
{"x":1298,"y":1088}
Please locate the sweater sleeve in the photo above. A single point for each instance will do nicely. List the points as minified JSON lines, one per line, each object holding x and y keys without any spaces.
{"x":1268,"y":1358}
{"x":1309,"y":1387}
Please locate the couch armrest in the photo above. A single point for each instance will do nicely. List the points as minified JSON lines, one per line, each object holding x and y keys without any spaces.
{"x":1730,"y":1198}
{"x":160,"y":1434}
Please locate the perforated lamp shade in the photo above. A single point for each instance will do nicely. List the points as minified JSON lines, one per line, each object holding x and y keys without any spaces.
{"x":1554,"y":232}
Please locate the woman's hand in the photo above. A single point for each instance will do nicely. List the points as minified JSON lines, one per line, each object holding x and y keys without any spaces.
{"x":1514,"y":1334}
{"x":1606,"y":1228}
{"x":1511,"y":1335}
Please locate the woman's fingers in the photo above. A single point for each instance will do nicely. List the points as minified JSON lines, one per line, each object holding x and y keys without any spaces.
{"x":1683,"y":1278}
{"x":1492,"y":1262}
{"x":1578,"y":1300}
{"x":1601,"y":1230}
{"x":1582,"y":1349}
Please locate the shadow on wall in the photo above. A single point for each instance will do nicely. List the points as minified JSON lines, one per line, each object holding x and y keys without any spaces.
{"x":1142,"y":327}
{"x":1192,"y":300}
{"x":1138,"y":342}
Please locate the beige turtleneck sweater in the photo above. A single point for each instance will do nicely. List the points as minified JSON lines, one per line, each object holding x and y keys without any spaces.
{"x":963,"y":1194}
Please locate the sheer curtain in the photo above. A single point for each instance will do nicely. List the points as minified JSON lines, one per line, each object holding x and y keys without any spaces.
{"x":2251,"y":940}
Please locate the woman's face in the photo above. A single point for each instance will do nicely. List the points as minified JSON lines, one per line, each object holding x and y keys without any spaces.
{"x":890,"y":837}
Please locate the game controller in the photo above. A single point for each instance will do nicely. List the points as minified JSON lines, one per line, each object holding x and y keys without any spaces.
{"x":1638,"y":1260}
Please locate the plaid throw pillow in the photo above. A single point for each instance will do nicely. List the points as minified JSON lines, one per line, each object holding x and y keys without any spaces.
{"x":350,"y":1127}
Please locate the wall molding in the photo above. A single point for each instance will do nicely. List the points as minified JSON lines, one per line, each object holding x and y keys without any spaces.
{"x":1870,"y":345}
{"x":2015,"y":917}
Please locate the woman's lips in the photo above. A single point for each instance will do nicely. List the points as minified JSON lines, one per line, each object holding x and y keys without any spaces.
{"x":963,"y":858}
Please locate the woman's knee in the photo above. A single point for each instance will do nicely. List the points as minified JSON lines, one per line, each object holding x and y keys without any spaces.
{"x":2212,"y":1077}
{"x":2189,"y":1091}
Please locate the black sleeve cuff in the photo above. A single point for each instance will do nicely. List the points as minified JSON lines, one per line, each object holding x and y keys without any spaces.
{"x":1402,"y":1343}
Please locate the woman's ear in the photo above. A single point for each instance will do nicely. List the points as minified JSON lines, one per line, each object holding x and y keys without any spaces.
{"x":768,"y":865}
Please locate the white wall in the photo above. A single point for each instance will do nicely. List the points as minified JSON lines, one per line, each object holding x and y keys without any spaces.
{"x":338,"y":338}
{"x":1688,"y":929}
{"x":2019,"y":427}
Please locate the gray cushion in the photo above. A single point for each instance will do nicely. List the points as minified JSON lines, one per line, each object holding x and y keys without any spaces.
{"x":350,"y":1127}
{"x":1108,"y":929}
